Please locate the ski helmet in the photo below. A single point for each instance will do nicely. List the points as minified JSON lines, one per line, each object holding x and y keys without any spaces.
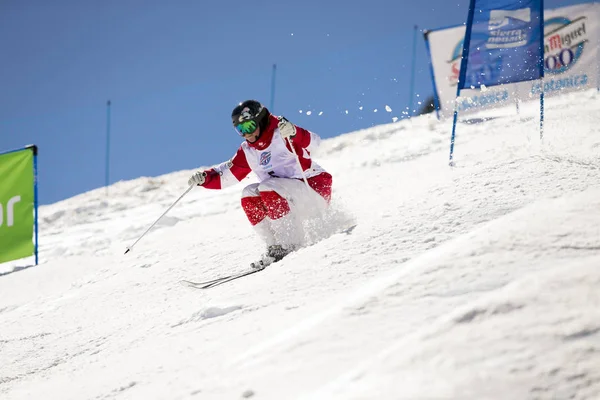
{"x":247,"y":112}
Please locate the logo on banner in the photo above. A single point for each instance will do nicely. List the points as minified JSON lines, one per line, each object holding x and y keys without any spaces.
{"x":487,"y":69}
{"x":508,"y":28}
{"x":564,"y":41}
{"x":454,"y":62}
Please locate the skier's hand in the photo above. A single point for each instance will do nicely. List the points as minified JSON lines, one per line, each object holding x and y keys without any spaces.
{"x":197,"y":179}
{"x":286,"y":128}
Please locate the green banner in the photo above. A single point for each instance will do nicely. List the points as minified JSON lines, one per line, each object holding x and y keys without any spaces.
{"x":16,"y":205}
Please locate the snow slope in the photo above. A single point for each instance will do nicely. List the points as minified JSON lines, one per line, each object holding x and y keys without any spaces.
{"x":480,"y":281}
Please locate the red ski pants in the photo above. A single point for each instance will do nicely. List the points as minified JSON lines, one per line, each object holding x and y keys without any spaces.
{"x":269,"y":199}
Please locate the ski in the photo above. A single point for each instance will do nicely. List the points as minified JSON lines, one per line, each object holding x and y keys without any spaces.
{"x":219,"y":281}
{"x":228,"y":278}
{"x":348,"y":230}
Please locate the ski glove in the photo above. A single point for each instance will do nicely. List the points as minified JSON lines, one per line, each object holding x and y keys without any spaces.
{"x":286,"y":128}
{"x":197,"y":179}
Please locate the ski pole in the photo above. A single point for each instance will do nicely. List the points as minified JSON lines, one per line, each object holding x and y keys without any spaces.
{"x":299,"y":165}
{"x":310,"y":190}
{"x":159,"y":218}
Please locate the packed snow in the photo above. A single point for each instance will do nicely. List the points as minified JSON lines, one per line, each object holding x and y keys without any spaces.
{"x":480,"y":281}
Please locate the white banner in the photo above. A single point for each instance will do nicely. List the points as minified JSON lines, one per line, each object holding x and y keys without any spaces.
{"x":571,"y":42}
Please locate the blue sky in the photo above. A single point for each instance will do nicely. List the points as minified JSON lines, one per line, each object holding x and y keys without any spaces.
{"x":174,"y":70}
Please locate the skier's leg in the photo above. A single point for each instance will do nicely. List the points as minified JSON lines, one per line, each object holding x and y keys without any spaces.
{"x":280,"y":196}
{"x":322,"y":185}
{"x":252,"y":204}
{"x":256,"y":211}
{"x":310,"y":216}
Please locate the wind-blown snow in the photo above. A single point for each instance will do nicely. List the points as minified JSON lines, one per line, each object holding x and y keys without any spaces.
{"x":480,"y":281}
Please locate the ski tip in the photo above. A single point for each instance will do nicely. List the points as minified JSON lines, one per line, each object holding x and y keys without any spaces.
{"x":199,"y":285}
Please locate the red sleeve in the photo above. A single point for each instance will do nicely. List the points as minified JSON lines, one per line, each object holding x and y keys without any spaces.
{"x":239,"y":165}
{"x":300,"y":141}
{"x":302,"y":138}
{"x":213,"y":179}
{"x":227,"y":173}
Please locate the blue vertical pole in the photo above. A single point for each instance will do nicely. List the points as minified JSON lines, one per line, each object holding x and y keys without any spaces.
{"x":273,"y":88}
{"x":462,"y":75}
{"x":436,"y":100}
{"x":542,"y":111}
{"x":35,"y":200}
{"x":411,"y":93}
{"x":107,"y":181}
{"x":541,"y":66}
{"x":35,"y":207}
{"x":453,"y":137}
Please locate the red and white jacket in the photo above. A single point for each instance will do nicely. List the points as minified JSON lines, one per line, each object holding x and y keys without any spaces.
{"x":269,"y":156}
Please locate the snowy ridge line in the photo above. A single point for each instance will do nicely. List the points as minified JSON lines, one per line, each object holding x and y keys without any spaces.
{"x":258,"y":353}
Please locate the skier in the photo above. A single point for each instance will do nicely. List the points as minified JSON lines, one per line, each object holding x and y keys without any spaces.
{"x":280,"y":201}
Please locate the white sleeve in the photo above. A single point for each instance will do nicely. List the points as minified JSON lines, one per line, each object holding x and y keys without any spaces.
{"x":226,"y":176}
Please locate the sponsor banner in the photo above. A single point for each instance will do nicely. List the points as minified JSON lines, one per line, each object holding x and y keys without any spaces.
{"x":504,"y":42}
{"x":571,"y":41}
{"x":16,"y":205}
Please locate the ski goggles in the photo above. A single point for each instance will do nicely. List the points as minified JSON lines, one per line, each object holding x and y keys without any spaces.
{"x":246,"y":127}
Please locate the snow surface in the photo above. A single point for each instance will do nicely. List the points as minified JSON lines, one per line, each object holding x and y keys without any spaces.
{"x":480,"y":281}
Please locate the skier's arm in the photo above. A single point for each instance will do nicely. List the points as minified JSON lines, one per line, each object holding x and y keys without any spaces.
{"x":228,"y":173}
{"x":300,"y":137}
{"x":306,"y":139}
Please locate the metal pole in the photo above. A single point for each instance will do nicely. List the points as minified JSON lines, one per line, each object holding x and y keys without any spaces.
{"x":159,"y":218}
{"x":542,"y":70}
{"x":34,"y":149}
{"x":462,"y":76}
{"x":542,"y":111}
{"x":107,"y":181}
{"x":411,"y":95}
{"x":453,"y":137}
{"x":299,"y":165}
{"x":310,"y":190}
{"x":436,"y":99}
{"x":273,"y":88}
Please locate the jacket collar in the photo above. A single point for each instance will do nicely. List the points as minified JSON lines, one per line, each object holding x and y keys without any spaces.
{"x":266,"y":136}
